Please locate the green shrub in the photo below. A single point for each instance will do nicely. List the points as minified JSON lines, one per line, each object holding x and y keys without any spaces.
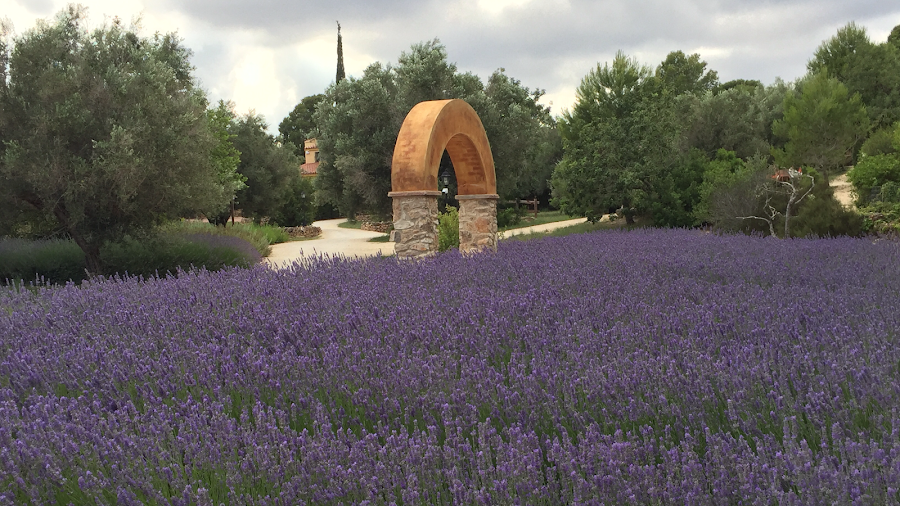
{"x":881,"y":142}
{"x":873,"y":171}
{"x":56,"y":260}
{"x":889,"y":193}
{"x":448,"y":229}
{"x":821,"y":217}
{"x":260,"y":236}
{"x":510,"y":216}
{"x":169,"y":253}
{"x":298,"y":207}
{"x":273,"y":234}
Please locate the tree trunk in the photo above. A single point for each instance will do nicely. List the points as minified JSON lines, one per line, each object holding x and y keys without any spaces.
{"x":91,"y":250}
{"x":787,"y":215}
{"x":91,"y":255}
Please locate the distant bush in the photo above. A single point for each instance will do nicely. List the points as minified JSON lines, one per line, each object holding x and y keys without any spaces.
{"x":509,"y":216}
{"x":55,"y":260}
{"x":169,"y":253}
{"x":58,"y":261}
{"x":826,"y":217}
{"x":448,"y":229}
{"x":298,"y":208}
{"x":260,"y":236}
{"x":881,"y":142}
{"x":871,"y":172}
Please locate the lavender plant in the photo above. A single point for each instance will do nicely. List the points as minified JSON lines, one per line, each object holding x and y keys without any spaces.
{"x":647,"y":367}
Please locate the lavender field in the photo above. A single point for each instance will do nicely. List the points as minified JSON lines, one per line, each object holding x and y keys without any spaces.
{"x":647,"y":367}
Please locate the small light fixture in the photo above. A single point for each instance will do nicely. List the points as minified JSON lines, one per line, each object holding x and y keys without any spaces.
{"x":445,"y":177}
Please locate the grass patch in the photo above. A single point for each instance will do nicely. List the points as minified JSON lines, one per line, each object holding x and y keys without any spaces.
{"x":59,"y":261}
{"x":53,"y":259}
{"x":169,"y":253}
{"x":381,"y":238}
{"x":582,"y":228}
{"x":351,"y":224}
{"x":260,"y":236}
{"x":543,"y":218}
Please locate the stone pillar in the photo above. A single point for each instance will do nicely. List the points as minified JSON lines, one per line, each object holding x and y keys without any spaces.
{"x":415,"y":223}
{"x":477,"y":222}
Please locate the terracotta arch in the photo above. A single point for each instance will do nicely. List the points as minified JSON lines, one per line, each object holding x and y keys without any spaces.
{"x":428,"y":130}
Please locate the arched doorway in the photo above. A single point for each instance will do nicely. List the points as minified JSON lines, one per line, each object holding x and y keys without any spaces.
{"x":428,"y":130}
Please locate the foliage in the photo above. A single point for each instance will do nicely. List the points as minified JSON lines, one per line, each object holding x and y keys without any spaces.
{"x":269,"y":167}
{"x":682,"y":74}
{"x":524,"y":140}
{"x":509,"y":216}
{"x":59,"y":261}
{"x":881,"y":142}
{"x":260,"y":236}
{"x":170,"y":254}
{"x":737,"y":118}
{"x":750,"y":84}
{"x":51,"y":260}
{"x":299,"y":124}
{"x":339,"y":74}
{"x":358,"y":132}
{"x":105,"y":132}
{"x":780,"y":195}
{"x":731,"y":190}
{"x":679,"y":191}
{"x":618,"y":141}
{"x":317,"y":384}
{"x":872,"y":70}
{"x":822,"y":125}
{"x":226,"y":160}
{"x":890,"y":192}
{"x":298,"y":206}
{"x":894,"y":37}
{"x":359,"y":129}
{"x":719,"y":175}
{"x":871,"y":172}
{"x":824,"y":216}
{"x":448,"y":229}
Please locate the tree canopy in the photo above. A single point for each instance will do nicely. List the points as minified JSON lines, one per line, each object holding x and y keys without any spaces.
{"x":104,"y":132}
{"x":618,"y":141}
{"x":299,"y":124}
{"x":361,"y":117}
{"x":822,"y":124}
{"x":869,"y":69}
{"x":680,"y":74}
{"x":269,"y":167}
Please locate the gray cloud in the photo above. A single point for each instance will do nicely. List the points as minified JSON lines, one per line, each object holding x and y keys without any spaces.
{"x":547,"y":44}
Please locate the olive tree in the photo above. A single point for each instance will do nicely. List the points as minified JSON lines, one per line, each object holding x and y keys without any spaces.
{"x":103,"y":131}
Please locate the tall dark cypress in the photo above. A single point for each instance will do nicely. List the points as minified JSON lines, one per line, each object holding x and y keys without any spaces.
{"x":340,"y":64}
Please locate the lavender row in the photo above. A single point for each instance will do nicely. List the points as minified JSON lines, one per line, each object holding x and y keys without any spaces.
{"x":644,"y":367}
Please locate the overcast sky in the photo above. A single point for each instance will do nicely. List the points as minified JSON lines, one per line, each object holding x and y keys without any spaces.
{"x":268,"y":54}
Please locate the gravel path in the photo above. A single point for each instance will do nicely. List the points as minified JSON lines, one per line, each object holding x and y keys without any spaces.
{"x":347,"y":242}
{"x":353,"y":243}
{"x":843,"y":190}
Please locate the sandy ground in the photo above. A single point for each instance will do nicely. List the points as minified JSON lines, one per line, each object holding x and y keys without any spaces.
{"x":334,"y":241}
{"x":353,"y":243}
{"x":843,"y":190}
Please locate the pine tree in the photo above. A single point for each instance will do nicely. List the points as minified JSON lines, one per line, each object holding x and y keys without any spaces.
{"x":340,"y":62}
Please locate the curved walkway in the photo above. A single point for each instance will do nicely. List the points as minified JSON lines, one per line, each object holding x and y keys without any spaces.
{"x":354,"y":243}
{"x":334,"y":241}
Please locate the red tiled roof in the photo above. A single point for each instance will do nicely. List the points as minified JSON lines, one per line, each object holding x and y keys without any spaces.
{"x":309,"y":169}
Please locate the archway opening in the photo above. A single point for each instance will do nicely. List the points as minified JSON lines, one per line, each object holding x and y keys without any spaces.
{"x":432,"y":132}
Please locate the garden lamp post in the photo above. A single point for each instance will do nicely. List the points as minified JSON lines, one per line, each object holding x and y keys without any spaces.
{"x":445,"y":178}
